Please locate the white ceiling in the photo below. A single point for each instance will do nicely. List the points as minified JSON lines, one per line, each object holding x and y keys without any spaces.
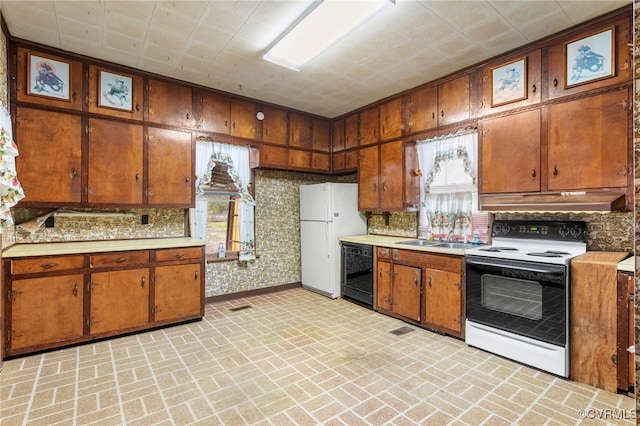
{"x":219,"y":44}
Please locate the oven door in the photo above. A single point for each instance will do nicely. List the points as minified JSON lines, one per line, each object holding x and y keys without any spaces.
{"x":525,"y":298}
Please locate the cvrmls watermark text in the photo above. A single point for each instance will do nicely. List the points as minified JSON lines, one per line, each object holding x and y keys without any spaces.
{"x":607,"y":414}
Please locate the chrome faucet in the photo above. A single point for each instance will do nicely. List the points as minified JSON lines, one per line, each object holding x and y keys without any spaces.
{"x":449,"y":235}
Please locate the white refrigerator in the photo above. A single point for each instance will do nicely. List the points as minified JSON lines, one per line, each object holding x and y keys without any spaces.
{"x":327,"y":211}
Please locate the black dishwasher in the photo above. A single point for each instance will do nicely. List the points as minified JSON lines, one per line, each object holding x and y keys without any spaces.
{"x":357,"y":273}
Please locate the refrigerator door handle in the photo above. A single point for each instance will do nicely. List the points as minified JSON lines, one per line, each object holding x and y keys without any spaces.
{"x":326,"y":238}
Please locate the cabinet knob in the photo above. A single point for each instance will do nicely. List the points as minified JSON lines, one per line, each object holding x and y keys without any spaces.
{"x":137,"y":107}
{"x":195,"y":274}
{"x":555,"y":82}
{"x":441,"y":113}
{"x":534,"y":88}
{"x":433,"y":115}
{"x":533,"y":173}
{"x":75,"y":290}
{"x":429,"y":282}
{"x":186,"y":179}
{"x":555,"y":170}
{"x":74,"y":173}
{"x":144,"y":281}
{"x":137,"y":176}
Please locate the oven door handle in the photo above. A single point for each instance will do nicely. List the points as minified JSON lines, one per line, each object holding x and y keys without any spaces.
{"x":521,"y":268}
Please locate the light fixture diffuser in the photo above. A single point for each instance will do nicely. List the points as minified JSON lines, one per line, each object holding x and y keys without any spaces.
{"x":324,"y":25}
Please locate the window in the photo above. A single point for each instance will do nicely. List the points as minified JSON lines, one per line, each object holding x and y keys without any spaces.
{"x":448,"y":189}
{"x":223,"y":216}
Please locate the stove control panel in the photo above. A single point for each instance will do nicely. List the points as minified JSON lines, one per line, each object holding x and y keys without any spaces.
{"x":540,"y":230}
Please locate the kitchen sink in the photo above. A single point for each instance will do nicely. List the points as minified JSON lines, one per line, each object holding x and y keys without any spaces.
{"x":441,"y":244}
{"x":421,"y":243}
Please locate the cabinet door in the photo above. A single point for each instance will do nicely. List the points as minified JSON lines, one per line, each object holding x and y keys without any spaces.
{"x":391,"y":119}
{"x":299,"y":159}
{"x":443,"y":299}
{"x":119,"y":300}
{"x":351,"y":160}
{"x":562,"y":85}
{"x":49,"y":91}
{"x":337,"y":135}
{"x":337,"y":162}
{"x":274,"y":156}
{"x":170,"y":103}
{"x":407,"y":282}
{"x":351,"y":129}
{"x":321,"y":135}
{"x":274,"y":126}
{"x":391,"y":176}
{"x":384,"y":298}
{"x":369,"y":126}
{"x":411,"y":176}
{"x":50,"y":162}
{"x":320,"y":162}
{"x":300,"y":131}
{"x":170,"y":168}
{"x":216,"y":112}
{"x":178,"y":292}
{"x":510,"y":153}
{"x":422,"y":107}
{"x":243,"y":119}
{"x":453,"y":100}
{"x":115,"y":163}
{"x":588,"y":143}
{"x":105,"y":99}
{"x":46,"y":310}
{"x":368,"y":177}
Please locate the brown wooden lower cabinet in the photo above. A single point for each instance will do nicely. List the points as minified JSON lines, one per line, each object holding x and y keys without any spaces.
{"x":55,"y":301}
{"x":626,"y":364}
{"x":421,"y":287}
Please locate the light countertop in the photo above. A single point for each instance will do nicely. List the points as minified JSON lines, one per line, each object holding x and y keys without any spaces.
{"x":393,"y":242}
{"x":59,"y":248}
{"x":627,"y":265}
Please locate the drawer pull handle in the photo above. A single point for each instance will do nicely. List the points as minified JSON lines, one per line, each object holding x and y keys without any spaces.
{"x":46,"y":266}
{"x":429,"y":282}
{"x":555,"y":82}
{"x":196,"y":274}
{"x":144,"y":281}
{"x":534,"y":88}
{"x":75,"y":289}
{"x":179,"y":255}
{"x":121,"y":259}
{"x":533,"y":173}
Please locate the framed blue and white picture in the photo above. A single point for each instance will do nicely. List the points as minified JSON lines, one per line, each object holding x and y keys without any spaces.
{"x":114,"y":91}
{"x":509,"y":82}
{"x":590,"y":58}
{"x":48,"y":77}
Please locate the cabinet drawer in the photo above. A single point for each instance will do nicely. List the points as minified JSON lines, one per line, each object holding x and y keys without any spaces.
{"x":119,"y":259}
{"x":383,"y":252}
{"x":179,"y":254}
{"x":46,"y":264}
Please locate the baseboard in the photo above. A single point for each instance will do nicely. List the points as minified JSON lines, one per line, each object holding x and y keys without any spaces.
{"x":249,"y":293}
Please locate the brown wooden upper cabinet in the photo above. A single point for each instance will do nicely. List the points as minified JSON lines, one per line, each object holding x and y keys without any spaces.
{"x":391,"y":125}
{"x":369,"y":129}
{"x":454,"y":100}
{"x":337,"y":135}
{"x":380,"y":177}
{"x":50,"y":164}
{"x":216,"y":113}
{"x":170,"y":168}
{"x":170,"y":104}
{"x":510,"y":153}
{"x":511,"y":82}
{"x":613,"y":68}
{"x":588,"y":142}
{"x":49,"y":80}
{"x":274,"y":126}
{"x":321,"y":135}
{"x":243,"y":119}
{"x":351,"y":131}
{"x":107,"y":98}
{"x":422,"y":109}
{"x":115,"y":174}
{"x":300,"y":130}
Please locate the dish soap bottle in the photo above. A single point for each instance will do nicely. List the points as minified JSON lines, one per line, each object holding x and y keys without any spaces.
{"x":220,"y":251}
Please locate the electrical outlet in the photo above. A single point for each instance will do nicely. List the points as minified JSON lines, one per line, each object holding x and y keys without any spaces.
{"x":50,"y":222}
{"x":145,"y":219}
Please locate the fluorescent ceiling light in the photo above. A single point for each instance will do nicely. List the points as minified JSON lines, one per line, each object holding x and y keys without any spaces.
{"x":326,"y":23}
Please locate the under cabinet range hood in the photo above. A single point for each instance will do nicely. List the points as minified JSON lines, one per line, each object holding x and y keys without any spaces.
{"x":604,"y":201}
